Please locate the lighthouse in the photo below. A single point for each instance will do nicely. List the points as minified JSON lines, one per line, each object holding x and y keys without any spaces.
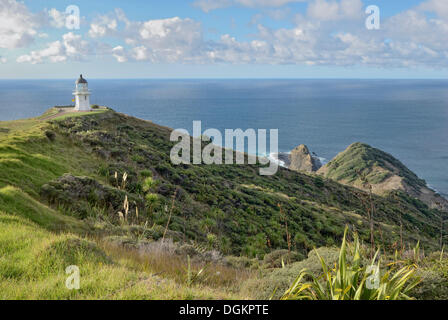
{"x":82,"y":95}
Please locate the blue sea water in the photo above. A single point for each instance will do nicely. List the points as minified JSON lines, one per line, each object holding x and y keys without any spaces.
{"x":407,"y":118}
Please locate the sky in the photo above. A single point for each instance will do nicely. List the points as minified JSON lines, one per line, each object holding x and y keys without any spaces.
{"x":50,"y":39}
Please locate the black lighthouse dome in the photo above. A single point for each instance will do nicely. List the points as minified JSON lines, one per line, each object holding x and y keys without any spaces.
{"x":81,"y":80}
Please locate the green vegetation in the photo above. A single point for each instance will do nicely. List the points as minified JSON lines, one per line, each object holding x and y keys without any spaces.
{"x":233,"y":204}
{"x":375,"y":165}
{"x":342,"y":273}
{"x":351,"y":280}
{"x":274,"y":282}
{"x":33,"y":262}
{"x":98,"y":190}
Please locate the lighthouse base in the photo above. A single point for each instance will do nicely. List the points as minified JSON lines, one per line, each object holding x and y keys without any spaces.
{"x":82,"y":103}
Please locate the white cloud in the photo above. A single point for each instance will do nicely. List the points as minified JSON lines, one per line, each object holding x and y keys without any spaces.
{"x":331,"y":10}
{"x":57,"y":18}
{"x":209,"y":5}
{"x":71,"y":46}
{"x":271,"y":47}
{"x":265,"y":3}
{"x":119,"y":54}
{"x":17,"y":25}
{"x":440,"y":7}
{"x":163,"y":40}
{"x":103,"y":25}
{"x":108,"y":25}
{"x":331,"y":32}
{"x":140,"y":53}
{"x":175,"y":32}
{"x":75,"y":46}
{"x":255,"y":51}
{"x":54,"y":53}
{"x":3,"y":59}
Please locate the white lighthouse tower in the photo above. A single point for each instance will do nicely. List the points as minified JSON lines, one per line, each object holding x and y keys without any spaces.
{"x":82,"y":95}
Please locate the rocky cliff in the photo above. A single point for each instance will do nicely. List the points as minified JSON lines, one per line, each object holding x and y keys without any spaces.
{"x":300,"y":159}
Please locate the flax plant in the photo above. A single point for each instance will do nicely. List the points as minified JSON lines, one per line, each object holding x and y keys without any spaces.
{"x":353,"y":280}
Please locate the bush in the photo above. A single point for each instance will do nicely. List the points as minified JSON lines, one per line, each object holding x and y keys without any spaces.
{"x":278,"y":280}
{"x":434,"y":275}
{"x":50,"y":135}
{"x":146,"y":173}
{"x":241,"y":262}
{"x":432,"y":287}
{"x":277,"y":257}
{"x":187,"y":250}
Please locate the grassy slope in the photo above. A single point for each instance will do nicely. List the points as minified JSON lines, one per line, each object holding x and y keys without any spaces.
{"x":232,"y":203}
{"x":362,"y":166}
{"x":33,"y":262}
{"x":37,"y":243}
{"x":375,"y":164}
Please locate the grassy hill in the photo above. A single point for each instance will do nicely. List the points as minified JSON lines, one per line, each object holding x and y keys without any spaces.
{"x":98,"y":189}
{"x":362,"y":166}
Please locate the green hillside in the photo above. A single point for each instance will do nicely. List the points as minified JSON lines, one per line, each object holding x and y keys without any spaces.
{"x":65,"y":181}
{"x":362,"y":166}
{"x":362,"y":158}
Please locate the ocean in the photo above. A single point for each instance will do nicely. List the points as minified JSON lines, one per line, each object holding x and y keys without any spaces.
{"x":407,"y":118}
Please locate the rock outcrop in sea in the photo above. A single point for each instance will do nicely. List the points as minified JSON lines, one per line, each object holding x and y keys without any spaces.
{"x":301,"y":159}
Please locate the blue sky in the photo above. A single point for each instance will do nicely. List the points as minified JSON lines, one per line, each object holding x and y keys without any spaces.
{"x":224,"y":39}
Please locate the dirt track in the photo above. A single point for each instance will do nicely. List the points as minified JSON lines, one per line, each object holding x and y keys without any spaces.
{"x":60,"y":112}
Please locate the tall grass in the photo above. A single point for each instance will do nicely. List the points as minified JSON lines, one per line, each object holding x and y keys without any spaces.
{"x":159,"y":261}
{"x":33,"y":263}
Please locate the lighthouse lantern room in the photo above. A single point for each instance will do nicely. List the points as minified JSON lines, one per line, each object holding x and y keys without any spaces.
{"x":82,"y":95}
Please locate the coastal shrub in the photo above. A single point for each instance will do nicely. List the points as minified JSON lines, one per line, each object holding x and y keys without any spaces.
{"x":187,"y":250}
{"x":85,"y":196}
{"x":138,"y":158}
{"x":433,"y":270}
{"x":277,"y":258}
{"x":242,"y":262}
{"x":275,"y":282}
{"x":146,"y":173}
{"x":433,"y":286}
{"x":319,"y":182}
{"x":50,"y":135}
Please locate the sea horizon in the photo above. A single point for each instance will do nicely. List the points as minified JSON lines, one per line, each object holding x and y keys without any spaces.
{"x":234,"y":78}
